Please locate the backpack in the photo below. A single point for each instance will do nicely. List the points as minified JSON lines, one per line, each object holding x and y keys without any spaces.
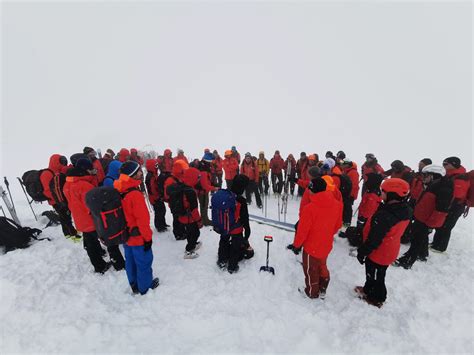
{"x":354,"y":236}
{"x":224,"y":216}
{"x":105,"y":205}
{"x":470,"y":192}
{"x":32,"y":182}
{"x":176,"y":193}
{"x":13,"y":236}
{"x":56,"y":186}
{"x":346,"y":186}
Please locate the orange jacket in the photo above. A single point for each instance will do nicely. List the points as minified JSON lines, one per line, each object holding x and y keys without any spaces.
{"x":231,"y":167}
{"x":181,"y":157}
{"x":75,"y":189}
{"x":319,"y":221}
{"x":250,"y":170}
{"x":135,"y":210}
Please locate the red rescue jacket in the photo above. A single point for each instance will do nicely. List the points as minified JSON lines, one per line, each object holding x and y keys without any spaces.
{"x":353,"y":174}
{"x":461,"y":184}
{"x":231,"y":167}
{"x":135,"y":210}
{"x":151,"y":181}
{"x":47,"y":175}
{"x":319,"y":221}
{"x":277,"y":164}
{"x":250,"y":170}
{"x":433,"y":205}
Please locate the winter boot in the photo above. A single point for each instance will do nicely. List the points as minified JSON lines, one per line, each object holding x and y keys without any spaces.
{"x":190,"y":254}
{"x":155,"y":283}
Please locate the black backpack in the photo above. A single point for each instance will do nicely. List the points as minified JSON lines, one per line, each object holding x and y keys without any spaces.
{"x":13,"y":236}
{"x":346,"y":186}
{"x":105,"y":205}
{"x":34,"y":187}
{"x":56,"y":186}
{"x":176,"y":193}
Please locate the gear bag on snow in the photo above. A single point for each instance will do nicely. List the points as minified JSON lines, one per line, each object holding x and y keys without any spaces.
{"x":32,"y":182}
{"x":13,"y":236}
{"x":176,"y":193}
{"x":224,"y":212}
{"x":105,"y":204}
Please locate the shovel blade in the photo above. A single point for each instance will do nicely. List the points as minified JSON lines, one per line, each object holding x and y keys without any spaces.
{"x":268,"y":269}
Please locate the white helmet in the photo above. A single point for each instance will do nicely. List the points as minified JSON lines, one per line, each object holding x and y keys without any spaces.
{"x":434,"y":169}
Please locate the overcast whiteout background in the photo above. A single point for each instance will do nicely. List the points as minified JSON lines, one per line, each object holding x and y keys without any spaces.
{"x":394,"y":79}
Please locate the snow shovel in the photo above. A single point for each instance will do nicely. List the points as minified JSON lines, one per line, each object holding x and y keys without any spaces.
{"x":267,"y":268}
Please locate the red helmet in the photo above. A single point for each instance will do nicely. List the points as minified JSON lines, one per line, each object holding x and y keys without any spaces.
{"x":396,"y":185}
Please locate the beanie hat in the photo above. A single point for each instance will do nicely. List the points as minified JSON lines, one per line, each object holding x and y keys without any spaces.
{"x":239,"y":184}
{"x":369,"y":156}
{"x":129,"y":168}
{"x":314,"y":172}
{"x":277,"y":152}
{"x":317,"y":185}
{"x":426,"y":161}
{"x":341,"y":155}
{"x":454,"y":161}
{"x":397,"y":165}
{"x":87,"y":150}
{"x":209,"y":157}
{"x":248,"y":155}
{"x":75,"y":158}
{"x":84,"y":164}
{"x":329,"y":154}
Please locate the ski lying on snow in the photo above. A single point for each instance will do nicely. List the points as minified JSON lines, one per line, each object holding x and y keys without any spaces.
{"x":271,"y":222}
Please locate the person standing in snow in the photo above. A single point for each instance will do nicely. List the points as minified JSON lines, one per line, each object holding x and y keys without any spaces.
{"x":216,"y":170}
{"x":92,"y":155}
{"x":263,"y":170}
{"x":319,"y":221}
{"x":249,"y":168}
{"x":205,"y":187}
{"x":430,"y":212}
{"x":290,"y":172}
{"x":138,"y":252}
{"x":301,"y":170}
{"x":277,"y":164}
{"x":381,"y":239}
{"x":230,"y":166}
{"x":156,"y":199}
{"x":79,"y":182}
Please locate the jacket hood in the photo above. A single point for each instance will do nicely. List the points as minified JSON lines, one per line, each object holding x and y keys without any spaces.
{"x":323,"y":198}
{"x":150,"y":166}
{"x":460,"y":170}
{"x":191,"y":177}
{"x":167,"y":153}
{"x":125,"y":182}
{"x":124,"y":154}
{"x":114,"y":169}
{"x":55,"y":165}
{"x":400,"y":209}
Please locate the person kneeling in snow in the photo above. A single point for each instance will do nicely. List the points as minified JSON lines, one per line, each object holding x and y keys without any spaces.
{"x":319,"y":221}
{"x":381,"y":235}
{"x":138,"y":253}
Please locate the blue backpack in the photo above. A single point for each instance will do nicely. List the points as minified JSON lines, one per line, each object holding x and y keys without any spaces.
{"x":224,"y":218}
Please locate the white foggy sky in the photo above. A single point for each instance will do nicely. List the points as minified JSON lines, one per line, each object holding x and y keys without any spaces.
{"x":394,"y":79}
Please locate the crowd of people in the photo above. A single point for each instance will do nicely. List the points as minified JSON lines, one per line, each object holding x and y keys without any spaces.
{"x":397,"y":205}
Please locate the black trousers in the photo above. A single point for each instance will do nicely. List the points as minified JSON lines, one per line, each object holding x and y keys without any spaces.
{"x":228,"y":184}
{"x":374,"y":286}
{"x":277,"y":186}
{"x":263,"y":184}
{"x":94,"y":250}
{"x":443,"y":234}
{"x":192,"y":233}
{"x":219,"y":180}
{"x":419,"y":242}
{"x":231,"y":250}
{"x":116,"y":257}
{"x":65,"y":217}
{"x":178,"y":229}
{"x":300,"y":191}
{"x":347,"y":210}
{"x":160,"y":213}
{"x":252,"y":188}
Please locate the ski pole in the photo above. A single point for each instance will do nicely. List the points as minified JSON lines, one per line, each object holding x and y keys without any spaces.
{"x":7,"y":202}
{"x":27,"y":199}
{"x":9,"y":192}
{"x":3,"y":211}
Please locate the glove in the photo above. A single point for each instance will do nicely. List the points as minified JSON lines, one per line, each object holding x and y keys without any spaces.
{"x":466,"y":212}
{"x":147,"y":245}
{"x":361,"y":257}
{"x":293,"y":249}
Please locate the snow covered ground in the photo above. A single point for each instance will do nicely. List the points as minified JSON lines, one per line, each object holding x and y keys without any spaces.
{"x":51,"y":301}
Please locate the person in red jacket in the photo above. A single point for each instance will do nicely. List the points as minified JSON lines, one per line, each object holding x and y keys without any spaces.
{"x":230,"y":166}
{"x":235,"y":153}
{"x":205,"y":187}
{"x":320,"y":220}
{"x":349,"y":169}
{"x":370,"y":199}
{"x":216,"y":170}
{"x":457,"y":173}
{"x":79,"y":182}
{"x":181,"y":156}
{"x":249,"y":168}
{"x":165,"y":162}
{"x":381,"y":239}
{"x":138,"y":252}
{"x":154,"y":195}
{"x":399,"y":170}
{"x":277,"y":164}
{"x":92,"y":155}
{"x":430,"y":212}
{"x":135,"y":157}
{"x":416,"y":188}
{"x":124,"y":155}
{"x":189,"y":218}
{"x":177,"y":173}
{"x":290,"y":172}
{"x":301,"y":170}
{"x":371,"y":165}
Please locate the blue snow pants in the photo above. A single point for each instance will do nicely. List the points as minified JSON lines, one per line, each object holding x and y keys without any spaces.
{"x":138,"y":266}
